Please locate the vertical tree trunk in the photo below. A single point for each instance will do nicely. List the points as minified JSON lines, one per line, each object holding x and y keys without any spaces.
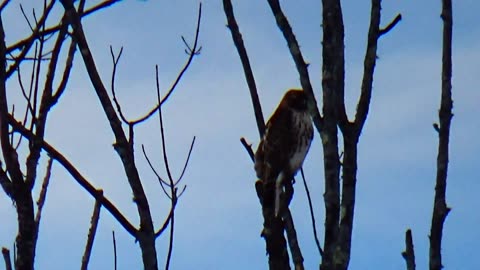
{"x":440,"y":209}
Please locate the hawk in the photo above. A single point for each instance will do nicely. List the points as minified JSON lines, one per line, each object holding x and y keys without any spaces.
{"x":283,"y":148}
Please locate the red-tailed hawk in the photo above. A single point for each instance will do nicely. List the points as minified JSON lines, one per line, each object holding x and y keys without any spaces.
{"x":283,"y":148}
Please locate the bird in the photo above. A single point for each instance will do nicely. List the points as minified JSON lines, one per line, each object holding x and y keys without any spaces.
{"x":283,"y":147}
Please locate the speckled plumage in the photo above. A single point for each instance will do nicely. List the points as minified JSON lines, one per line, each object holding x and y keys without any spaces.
{"x":284,"y":146}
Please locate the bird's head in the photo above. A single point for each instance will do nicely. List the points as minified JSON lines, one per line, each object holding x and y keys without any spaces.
{"x":295,"y":99}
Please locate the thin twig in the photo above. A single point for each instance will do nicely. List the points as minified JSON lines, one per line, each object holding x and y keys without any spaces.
{"x":91,"y":232}
{"x":115,"y":60}
{"x":26,"y":18}
{"x":114,"y":251}
{"x":391,"y":25}
{"x":186,"y":162}
{"x":160,"y":179}
{"x":170,"y":178}
{"x":34,"y":36}
{"x":192,"y":53}
{"x":27,"y":41}
{"x":409,"y":253}
{"x":248,"y":147}
{"x":312,"y":215}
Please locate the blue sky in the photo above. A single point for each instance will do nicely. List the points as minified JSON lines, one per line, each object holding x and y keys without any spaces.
{"x":218,"y":218}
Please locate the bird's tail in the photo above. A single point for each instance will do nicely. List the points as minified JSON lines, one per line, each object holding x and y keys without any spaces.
{"x":278,"y":192}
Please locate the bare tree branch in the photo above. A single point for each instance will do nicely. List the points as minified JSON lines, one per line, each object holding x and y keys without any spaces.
{"x":440,"y":209}
{"x":4,"y":5}
{"x":145,"y":236}
{"x":115,"y":60}
{"x":391,"y":25}
{"x":333,"y":91}
{"x":28,"y":41}
{"x":45,"y":105}
{"x":6,"y":258}
{"x":247,"y":69}
{"x":297,"y":257}
{"x":192,"y":52}
{"x":114,"y":251}
{"x":312,"y":214}
{"x":409,"y":253}
{"x":302,"y":67}
{"x":18,"y":127}
{"x":41,"y":199}
{"x":91,"y":232}
{"x":5,"y":182}
{"x":173,"y":190}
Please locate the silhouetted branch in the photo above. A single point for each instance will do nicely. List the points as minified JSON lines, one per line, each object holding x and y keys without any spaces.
{"x":91,"y":232}
{"x":248,"y":147}
{"x":186,"y":161}
{"x":165,"y":223}
{"x":160,"y":179}
{"x":409,"y":253}
{"x":68,"y":63}
{"x":122,"y":146}
{"x":18,"y":127}
{"x":192,"y":52}
{"x":440,"y":209}
{"x":4,"y":4}
{"x":333,"y":68}
{"x":114,"y":251}
{"x":391,"y":25}
{"x":173,"y":189}
{"x":40,"y":120}
{"x":247,"y":69}
{"x":6,"y":258}
{"x":27,"y":45}
{"x":115,"y":60}
{"x":302,"y":67}
{"x":36,"y":35}
{"x":42,"y":197}
{"x":5,"y":182}
{"x":297,"y":257}
{"x":312,"y":215}
{"x":374,"y":34}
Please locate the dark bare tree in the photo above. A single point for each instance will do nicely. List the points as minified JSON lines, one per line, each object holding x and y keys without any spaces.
{"x":440,"y":208}
{"x":41,"y":94}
